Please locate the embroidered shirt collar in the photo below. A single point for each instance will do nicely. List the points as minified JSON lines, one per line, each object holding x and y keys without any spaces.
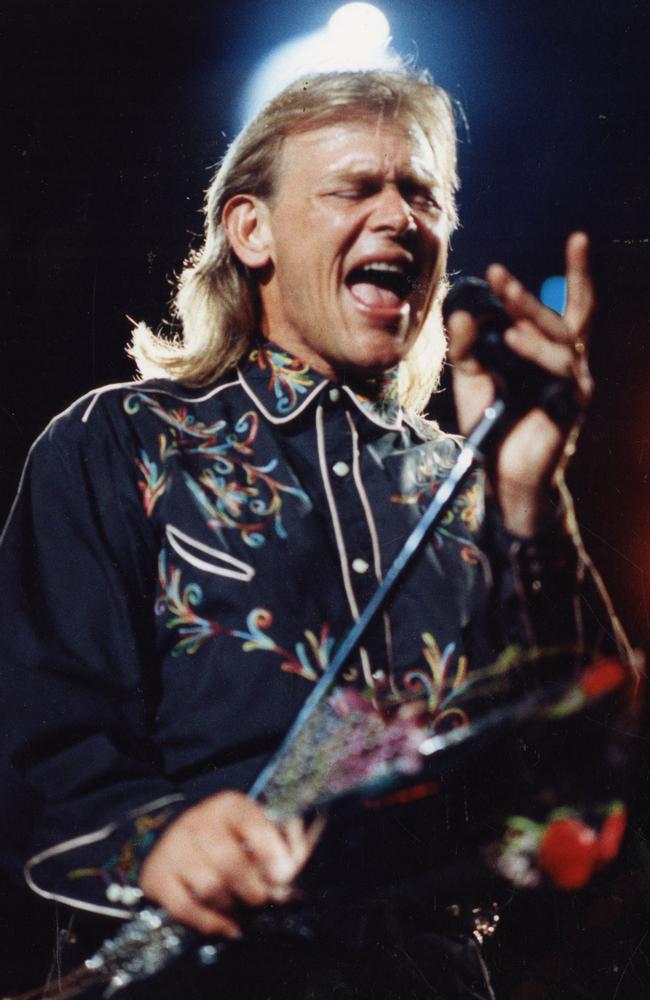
{"x":283,"y":386}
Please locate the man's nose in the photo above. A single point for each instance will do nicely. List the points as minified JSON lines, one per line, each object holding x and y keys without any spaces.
{"x":393,"y":212}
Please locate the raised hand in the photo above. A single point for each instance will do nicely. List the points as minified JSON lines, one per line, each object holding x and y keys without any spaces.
{"x":524,"y":465}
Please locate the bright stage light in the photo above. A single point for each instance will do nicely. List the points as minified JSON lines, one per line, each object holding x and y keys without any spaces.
{"x":357,"y":36}
{"x":360,"y":24}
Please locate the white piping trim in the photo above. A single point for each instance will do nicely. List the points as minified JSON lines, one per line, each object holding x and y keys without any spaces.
{"x":271,"y":416}
{"x":95,"y":394}
{"x":89,"y":838}
{"x":426,"y":430}
{"x":104,"y":911}
{"x":151,"y":390}
{"x":240,"y":571}
{"x":21,"y":482}
{"x":364,"y":498}
{"x":368,"y":412}
{"x":340,"y":543}
{"x":91,"y":394}
{"x":37,"y":441}
{"x":32,"y":447}
{"x":374,"y":538}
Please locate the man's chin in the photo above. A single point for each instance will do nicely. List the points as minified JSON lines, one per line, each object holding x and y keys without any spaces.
{"x":383,"y":345}
{"x":375,"y":352}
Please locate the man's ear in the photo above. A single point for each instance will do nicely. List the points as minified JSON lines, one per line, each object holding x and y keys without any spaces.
{"x":246,"y":221}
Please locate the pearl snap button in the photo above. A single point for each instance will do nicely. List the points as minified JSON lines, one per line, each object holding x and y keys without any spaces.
{"x":125,"y":894}
{"x":114,"y":893}
{"x":131,"y":894}
{"x":360,"y":566}
{"x":335,"y":395}
{"x":341,"y":469}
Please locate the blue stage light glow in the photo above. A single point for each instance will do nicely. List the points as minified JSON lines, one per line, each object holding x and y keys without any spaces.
{"x":357,"y":36}
{"x":553,"y":293}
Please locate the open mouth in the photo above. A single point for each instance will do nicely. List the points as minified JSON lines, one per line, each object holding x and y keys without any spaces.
{"x":382,"y":285}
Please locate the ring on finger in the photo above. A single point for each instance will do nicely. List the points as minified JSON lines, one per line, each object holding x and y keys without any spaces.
{"x":579,"y":347}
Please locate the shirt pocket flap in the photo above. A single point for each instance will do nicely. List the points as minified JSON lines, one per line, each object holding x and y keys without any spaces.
{"x":206,"y":557}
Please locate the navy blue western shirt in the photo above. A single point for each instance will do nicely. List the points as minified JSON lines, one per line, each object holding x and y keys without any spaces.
{"x":181,"y":562}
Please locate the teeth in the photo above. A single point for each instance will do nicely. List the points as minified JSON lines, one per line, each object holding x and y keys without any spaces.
{"x":384,"y":265}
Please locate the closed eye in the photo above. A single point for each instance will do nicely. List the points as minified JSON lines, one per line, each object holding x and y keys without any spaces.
{"x":356,"y":192}
{"x":420,"y":196}
{"x":416,"y":195}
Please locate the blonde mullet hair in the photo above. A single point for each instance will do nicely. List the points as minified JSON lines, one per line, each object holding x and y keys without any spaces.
{"x":217,"y":302}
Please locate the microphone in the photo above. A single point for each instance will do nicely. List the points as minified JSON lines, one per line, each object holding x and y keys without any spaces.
{"x":523,"y":384}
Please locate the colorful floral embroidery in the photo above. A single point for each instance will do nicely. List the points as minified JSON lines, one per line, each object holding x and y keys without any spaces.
{"x":308,"y":659}
{"x":179,"y":604}
{"x":227,"y":501}
{"x":154,"y":480}
{"x":470,"y":555}
{"x":436,"y":684}
{"x":233,"y":492}
{"x":290,"y":381}
{"x":289,"y":377}
{"x":467,"y":508}
{"x":123,"y":867}
{"x":380,"y":398}
{"x":184,"y":425}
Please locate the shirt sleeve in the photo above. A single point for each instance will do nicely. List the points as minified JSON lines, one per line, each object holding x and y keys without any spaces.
{"x":78,"y":559}
{"x":546,"y":590}
{"x":563,"y":812}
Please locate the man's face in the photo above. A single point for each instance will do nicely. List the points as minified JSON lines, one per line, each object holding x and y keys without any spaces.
{"x":357,"y":241}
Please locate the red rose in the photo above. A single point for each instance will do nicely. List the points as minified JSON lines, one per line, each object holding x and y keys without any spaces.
{"x":601,"y":677}
{"x":611,"y":835}
{"x":569,"y":852}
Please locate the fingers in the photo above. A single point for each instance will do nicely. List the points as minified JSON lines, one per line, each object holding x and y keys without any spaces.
{"x":522,"y":305}
{"x":264,"y":842}
{"x":580,"y":290}
{"x":301,"y":839}
{"x":573,"y":326}
{"x":221,"y":854}
{"x":183,"y":905}
{"x":472,"y":385}
{"x":556,"y":343}
{"x":561,"y":360}
{"x":223,"y":873}
{"x":526,"y":460}
{"x":462,"y":329}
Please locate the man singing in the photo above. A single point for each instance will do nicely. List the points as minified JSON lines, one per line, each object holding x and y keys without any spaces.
{"x":186,"y":552}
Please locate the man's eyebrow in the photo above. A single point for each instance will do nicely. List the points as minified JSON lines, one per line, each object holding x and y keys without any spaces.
{"x":352,"y":171}
{"x":417,"y":174}
{"x":421,"y":173}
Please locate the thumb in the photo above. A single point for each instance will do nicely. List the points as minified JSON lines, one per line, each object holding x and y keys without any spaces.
{"x":462,"y":330}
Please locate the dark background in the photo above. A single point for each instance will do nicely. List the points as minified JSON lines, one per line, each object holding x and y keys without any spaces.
{"x":117,"y":110}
